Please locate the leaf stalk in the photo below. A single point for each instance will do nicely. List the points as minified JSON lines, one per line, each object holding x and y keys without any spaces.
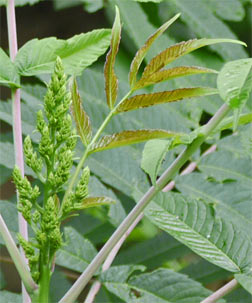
{"x":82,"y":281}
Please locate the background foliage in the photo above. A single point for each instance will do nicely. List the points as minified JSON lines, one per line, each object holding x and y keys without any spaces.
{"x":223,"y":177}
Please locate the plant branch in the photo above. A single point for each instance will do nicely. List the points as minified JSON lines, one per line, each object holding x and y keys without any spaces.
{"x":17,"y":124}
{"x":221,"y":292}
{"x":77,"y":287}
{"x":17,"y":258}
{"x":87,"y":151}
{"x":110,"y":258}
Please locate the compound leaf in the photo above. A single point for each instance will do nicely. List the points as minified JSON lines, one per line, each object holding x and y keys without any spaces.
{"x":194,"y":223}
{"x":128,"y":137}
{"x":143,"y":50}
{"x":146,"y":100}
{"x":80,"y":116}
{"x":171,"y":73}
{"x":76,"y":53}
{"x":180,"y":49}
{"x":161,"y":286}
{"x":8,"y":73}
{"x":111,"y":81}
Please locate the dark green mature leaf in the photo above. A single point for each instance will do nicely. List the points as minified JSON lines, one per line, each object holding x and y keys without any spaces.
{"x":9,"y":297}
{"x":7,"y":154}
{"x":9,"y":213}
{"x":171,"y":73}
{"x":155,"y":1}
{"x":223,"y":165}
{"x":201,"y":20}
{"x":157,"y":250}
{"x":5,"y":174}
{"x":76,"y":53}
{"x":92,"y":6}
{"x":8,"y":74}
{"x":111,"y":81}
{"x":143,"y":50}
{"x":81,"y":118}
{"x":62,"y":4}
{"x":160,"y":286}
{"x":116,"y":211}
{"x":194,"y":223}
{"x":96,"y":201}
{"x":245,"y":281}
{"x":180,"y":49}
{"x":59,"y":286}
{"x":205,"y":272}
{"x":123,"y":175}
{"x":239,"y":295}
{"x":153,"y":155}
{"x":128,"y":137}
{"x":231,"y":200}
{"x":146,"y":100}
{"x":234,"y":11}
{"x":235,"y":82}
{"x":77,"y":253}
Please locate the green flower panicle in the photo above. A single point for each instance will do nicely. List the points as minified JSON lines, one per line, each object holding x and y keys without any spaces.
{"x":75,"y":199}
{"x":31,"y":157}
{"x":52,"y":161}
{"x":81,"y":191}
{"x":27,"y":194}
{"x":31,"y":255}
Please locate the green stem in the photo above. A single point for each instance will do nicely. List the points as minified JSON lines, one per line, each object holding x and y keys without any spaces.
{"x":87,"y":151}
{"x":44,"y":284}
{"x":82,"y":281}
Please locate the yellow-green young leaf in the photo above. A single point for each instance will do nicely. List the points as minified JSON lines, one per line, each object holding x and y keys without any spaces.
{"x":143,"y":50}
{"x":180,"y":49}
{"x":128,"y":137}
{"x":171,"y":73}
{"x":146,"y":100}
{"x":111,"y":81}
{"x":80,"y":116}
{"x":96,"y":201}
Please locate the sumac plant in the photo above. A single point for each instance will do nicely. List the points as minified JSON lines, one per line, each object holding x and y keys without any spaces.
{"x":75,"y":183}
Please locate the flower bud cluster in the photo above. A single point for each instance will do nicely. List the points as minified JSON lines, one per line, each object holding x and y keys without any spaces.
{"x":31,"y":156}
{"x":27,"y":194}
{"x":75,"y":200}
{"x":31,"y":255}
{"x":57,"y":99}
{"x":50,"y":225}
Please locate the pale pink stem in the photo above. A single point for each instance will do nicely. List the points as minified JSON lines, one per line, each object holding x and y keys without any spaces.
{"x":17,"y":124}
{"x":221,"y":292}
{"x":110,"y":258}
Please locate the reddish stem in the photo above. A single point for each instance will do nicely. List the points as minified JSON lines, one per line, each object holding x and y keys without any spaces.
{"x":17,"y":124}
